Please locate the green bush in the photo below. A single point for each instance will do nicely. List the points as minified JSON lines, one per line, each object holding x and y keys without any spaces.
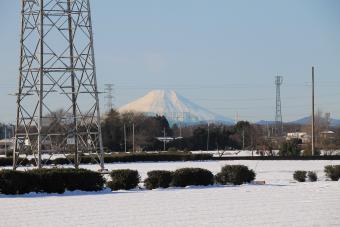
{"x":123,"y":179}
{"x":235,"y":174}
{"x":16,"y":182}
{"x":291,"y":148}
{"x":300,"y":175}
{"x":61,"y":161}
{"x":158,"y":179}
{"x":172,"y":149}
{"x":8,"y":161}
{"x":192,"y":176}
{"x":49,"y":181}
{"x":312,"y":176}
{"x":84,"y":180}
{"x":333,"y":172}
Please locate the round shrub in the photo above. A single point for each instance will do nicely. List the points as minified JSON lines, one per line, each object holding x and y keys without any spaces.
{"x":312,"y":176}
{"x":235,"y":174}
{"x":192,"y":176}
{"x":123,"y":179}
{"x":300,"y":175}
{"x":83,"y":179}
{"x":333,"y":172}
{"x":158,"y":179}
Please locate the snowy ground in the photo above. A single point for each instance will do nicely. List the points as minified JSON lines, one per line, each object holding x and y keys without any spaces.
{"x":281,"y":202}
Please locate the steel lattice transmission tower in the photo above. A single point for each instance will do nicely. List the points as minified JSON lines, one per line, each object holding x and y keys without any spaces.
{"x":278,"y":113}
{"x":57,"y":99}
{"x":109,"y":97}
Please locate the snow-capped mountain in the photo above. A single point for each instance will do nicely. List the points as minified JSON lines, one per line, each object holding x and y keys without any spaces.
{"x":174,"y":106}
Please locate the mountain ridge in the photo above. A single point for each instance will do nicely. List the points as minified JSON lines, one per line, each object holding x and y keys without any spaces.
{"x":174,"y":106}
{"x":300,"y":121}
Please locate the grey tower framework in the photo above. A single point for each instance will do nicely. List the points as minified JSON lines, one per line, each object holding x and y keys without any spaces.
{"x":278,"y":112}
{"x":57,"y":99}
{"x":109,"y":97}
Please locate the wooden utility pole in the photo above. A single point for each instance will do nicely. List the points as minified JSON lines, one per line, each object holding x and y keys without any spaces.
{"x":5,"y":127}
{"x":133,"y":137}
{"x":164,"y":139}
{"x":313,"y":115}
{"x":125,"y":138}
{"x":208,"y":136}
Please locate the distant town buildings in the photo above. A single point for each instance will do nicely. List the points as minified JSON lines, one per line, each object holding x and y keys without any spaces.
{"x":6,"y":146}
{"x":303,"y":136}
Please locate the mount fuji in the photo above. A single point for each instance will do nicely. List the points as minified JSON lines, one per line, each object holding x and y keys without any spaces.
{"x":175,"y":107}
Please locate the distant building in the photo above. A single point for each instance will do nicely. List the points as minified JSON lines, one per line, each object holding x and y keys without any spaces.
{"x":303,"y":136}
{"x":6,"y":145}
{"x":166,"y":139}
{"x":327,"y":134}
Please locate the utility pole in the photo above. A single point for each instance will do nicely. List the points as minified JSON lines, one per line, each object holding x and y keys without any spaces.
{"x":208,"y":136}
{"x":243,"y":139}
{"x":164,"y":139}
{"x":5,"y":139}
{"x":278,"y":113}
{"x":313,"y":115}
{"x":133,"y":137}
{"x":180,"y":130}
{"x":125,"y":138}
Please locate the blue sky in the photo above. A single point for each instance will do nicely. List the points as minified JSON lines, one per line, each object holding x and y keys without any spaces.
{"x":221,"y":54}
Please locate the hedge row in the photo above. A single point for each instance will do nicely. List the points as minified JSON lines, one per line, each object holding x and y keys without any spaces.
{"x":155,"y":157}
{"x":278,"y":158}
{"x":129,"y":179}
{"x":49,"y":181}
{"x":124,"y":157}
{"x":60,"y":180}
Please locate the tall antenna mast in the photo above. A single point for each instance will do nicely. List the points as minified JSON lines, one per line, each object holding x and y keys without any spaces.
{"x":313,"y":115}
{"x":109,"y":97}
{"x":278,"y":113}
{"x":57,"y":97}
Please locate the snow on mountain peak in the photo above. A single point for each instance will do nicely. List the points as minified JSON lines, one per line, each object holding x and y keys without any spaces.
{"x":174,"y":106}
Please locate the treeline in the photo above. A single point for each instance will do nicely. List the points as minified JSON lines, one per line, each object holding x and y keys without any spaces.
{"x":138,"y":132}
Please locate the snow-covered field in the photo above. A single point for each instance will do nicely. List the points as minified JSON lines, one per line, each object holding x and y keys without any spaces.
{"x":281,"y":202}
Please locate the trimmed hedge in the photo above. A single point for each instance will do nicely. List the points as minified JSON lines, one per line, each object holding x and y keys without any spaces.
{"x":155,"y":157}
{"x":123,"y":179}
{"x":192,"y":176}
{"x":16,"y":182}
{"x":333,"y":172}
{"x":278,"y":158}
{"x":49,"y":181}
{"x":312,"y":176}
{"x":8,"y":161}
{"x":158,"y":179}
{"x":300,"y":175}
{"x":235,"y":174}
{"x":118,"y":157}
